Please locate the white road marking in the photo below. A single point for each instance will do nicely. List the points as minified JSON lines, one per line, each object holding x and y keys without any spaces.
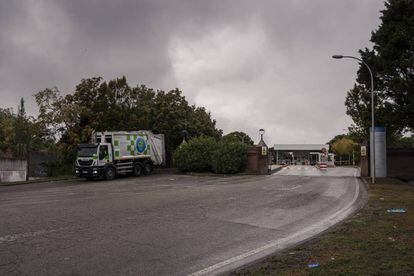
{"x":13,"y":237}
{"x":289,"y":189}
{"x":33,"y":202}
{"x":284,"y":242}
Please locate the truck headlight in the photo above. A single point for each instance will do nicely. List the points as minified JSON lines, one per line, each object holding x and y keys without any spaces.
{"x":95,"y":171}
{"x":76,"y":171}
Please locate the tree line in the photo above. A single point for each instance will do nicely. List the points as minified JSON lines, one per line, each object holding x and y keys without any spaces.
{"x":64,"y":121}
{"x":20,"y":133}
{"x":97,"y":105}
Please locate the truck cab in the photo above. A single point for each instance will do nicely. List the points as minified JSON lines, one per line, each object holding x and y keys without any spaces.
{"x":92,"y":160}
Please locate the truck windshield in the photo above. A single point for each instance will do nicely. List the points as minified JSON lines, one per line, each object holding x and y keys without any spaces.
{"x":86,"y":151}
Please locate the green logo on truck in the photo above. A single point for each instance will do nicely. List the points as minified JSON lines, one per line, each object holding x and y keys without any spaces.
{"x":140,"y":145}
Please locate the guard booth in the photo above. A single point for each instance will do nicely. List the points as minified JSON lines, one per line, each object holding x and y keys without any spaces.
{"x":323,"y":157}
{"x":301,"y":154}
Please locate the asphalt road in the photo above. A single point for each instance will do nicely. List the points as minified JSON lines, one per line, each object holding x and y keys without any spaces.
{"x":313,"y":171}
{"x":164,"y":224}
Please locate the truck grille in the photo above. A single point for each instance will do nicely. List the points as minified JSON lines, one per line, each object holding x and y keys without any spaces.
{"x":85,"y":162}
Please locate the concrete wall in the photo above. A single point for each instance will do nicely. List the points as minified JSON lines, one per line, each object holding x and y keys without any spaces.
{"x":12,"y":170}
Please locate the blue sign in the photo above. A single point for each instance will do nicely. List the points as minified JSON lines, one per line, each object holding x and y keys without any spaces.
{"x":140,"y":145}
{"x":378,"y":129}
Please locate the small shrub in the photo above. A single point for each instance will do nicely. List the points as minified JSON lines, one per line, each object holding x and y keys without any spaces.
{"x":229,"y":157}
{"x":195,"y":155}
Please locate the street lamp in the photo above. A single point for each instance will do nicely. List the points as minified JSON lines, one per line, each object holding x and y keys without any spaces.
{"x":242,"y":136}
{"x":372,"y":113}
{"x":261,"y":132}
{"x":185,"y":135}
{"x":265,"y":151}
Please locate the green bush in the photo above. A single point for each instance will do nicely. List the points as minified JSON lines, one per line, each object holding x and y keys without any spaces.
{"x":195,"y":155}
{"x":229,"y":157}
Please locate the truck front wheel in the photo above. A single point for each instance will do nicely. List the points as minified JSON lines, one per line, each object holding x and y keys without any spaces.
{"x":147,"y":168}
{"x":109,"y":173}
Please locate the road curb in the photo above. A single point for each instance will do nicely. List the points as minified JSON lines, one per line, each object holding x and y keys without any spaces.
{"x":36,"y":181}
{"x":275,"y":170}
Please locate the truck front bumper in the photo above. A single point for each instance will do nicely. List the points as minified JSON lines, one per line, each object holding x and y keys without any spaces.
{"x":89,"y":172}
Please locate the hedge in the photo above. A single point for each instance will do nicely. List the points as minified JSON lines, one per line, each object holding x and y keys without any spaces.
{"x":229,"y":157}
{"x":205,"y":154}
{"x":195,"y":155}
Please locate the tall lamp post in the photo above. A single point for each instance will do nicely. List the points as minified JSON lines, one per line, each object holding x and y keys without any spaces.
{"x":261,"y":132}
{"x":185,"y":135}
{"x":264,"y":149}
{"x":372,"y":113}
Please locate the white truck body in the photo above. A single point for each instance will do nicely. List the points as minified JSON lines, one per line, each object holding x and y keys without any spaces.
{"x":134,"y":144}
{"x":120,"y":152}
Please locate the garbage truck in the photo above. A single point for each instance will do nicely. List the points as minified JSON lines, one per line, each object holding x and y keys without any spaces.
{"x":113,"y":153}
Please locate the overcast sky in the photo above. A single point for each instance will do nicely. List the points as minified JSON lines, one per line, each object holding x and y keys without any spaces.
{"x":252,"y":64}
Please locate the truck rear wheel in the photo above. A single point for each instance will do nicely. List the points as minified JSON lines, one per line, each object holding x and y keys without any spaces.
{"x":109,"y":173}
{"x":147,"y":168}
{"x":137,"y":169}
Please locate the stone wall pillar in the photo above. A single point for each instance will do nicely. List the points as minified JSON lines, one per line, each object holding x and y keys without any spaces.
{"x":257,"y":162}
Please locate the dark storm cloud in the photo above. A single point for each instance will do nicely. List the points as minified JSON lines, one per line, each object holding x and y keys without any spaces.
{"x":251,"y":63}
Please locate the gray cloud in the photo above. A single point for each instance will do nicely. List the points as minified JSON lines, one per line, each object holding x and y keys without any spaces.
{"x":251,"y":63}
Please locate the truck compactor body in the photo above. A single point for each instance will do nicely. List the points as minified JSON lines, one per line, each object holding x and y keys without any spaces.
{"x":112,"y":153}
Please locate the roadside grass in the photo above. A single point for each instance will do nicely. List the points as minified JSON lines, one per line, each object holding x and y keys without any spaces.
{"x":372,"y":242}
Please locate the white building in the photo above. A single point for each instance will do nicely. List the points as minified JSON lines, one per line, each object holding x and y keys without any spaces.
{"x":302,"y":154}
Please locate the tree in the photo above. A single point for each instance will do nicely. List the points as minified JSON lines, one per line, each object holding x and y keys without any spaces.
{"x":344,"y":146}
{"x":97,"y":105}
{"x":239,"y":136}
{"x":171,"y":115}
{"x":404,"y":143}
{"x":21,"y":110}
{"x":392,"y":62}
{"x":7,"y":132}
{"x":334,"y":140}
{"x":22,"y":130}
{"x":20,"y":133}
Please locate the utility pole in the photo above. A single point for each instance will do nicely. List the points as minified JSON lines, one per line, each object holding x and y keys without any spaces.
{"x":372,"y":114}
